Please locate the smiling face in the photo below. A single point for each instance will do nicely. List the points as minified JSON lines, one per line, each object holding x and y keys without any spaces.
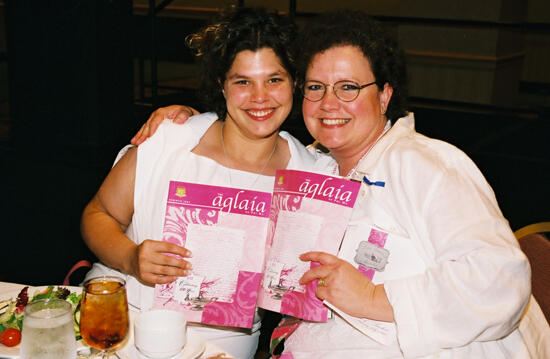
{"x":348,"y":129}
{"x":258,"y":93}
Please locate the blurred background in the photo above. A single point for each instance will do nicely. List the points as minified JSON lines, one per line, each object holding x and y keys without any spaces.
{"x":79,"y":77}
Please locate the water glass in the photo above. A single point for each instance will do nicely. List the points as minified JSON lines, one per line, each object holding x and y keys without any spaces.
{"x":48,"y":331}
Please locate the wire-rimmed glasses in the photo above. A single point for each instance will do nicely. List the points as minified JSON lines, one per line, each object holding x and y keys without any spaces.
{"x":344,"y":90}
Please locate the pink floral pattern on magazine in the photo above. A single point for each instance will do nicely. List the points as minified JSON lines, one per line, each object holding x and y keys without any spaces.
{"x":225,"y":228}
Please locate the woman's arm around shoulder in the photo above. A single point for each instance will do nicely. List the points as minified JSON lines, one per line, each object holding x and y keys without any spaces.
{"x":175,"y":113}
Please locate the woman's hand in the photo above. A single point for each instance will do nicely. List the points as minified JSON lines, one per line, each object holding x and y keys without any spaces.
{"x":175,"y":113}
{"x":347,"y":288}
{"x":154,"y":262}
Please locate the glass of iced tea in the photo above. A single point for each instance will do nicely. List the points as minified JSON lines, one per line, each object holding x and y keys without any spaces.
{"x":104,"y":313}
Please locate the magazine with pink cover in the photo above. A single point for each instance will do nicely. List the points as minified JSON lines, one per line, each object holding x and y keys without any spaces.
{"x":225,"y":229}
{"x":309,"y":211}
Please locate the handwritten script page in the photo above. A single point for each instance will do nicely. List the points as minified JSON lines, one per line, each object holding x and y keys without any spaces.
{"x":219,"y":245}
{"x":295,"y":234}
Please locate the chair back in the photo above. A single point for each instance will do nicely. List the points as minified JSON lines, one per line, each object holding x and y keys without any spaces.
{"x":536,"y":246}
{"x":77,"y":265}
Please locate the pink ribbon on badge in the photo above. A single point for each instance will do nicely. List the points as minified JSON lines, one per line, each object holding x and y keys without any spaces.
{"x":378,"y":238}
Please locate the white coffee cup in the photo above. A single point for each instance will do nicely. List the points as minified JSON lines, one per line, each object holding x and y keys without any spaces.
{"x":160,"y":333}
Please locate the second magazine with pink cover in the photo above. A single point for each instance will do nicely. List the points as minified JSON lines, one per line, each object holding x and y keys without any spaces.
{"x":309,"y":211}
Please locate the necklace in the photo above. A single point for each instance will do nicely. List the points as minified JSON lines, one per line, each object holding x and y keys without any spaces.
{"x":354,"y":169}
{"x":229,"y":162}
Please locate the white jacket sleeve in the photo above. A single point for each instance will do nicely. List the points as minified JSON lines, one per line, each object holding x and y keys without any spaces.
{"x":479,"y":281}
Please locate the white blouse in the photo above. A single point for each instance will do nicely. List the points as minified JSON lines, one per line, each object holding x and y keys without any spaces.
{"x":165,"y":157}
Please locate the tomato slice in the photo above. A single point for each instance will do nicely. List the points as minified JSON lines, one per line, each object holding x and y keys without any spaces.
{"x":10,"y":337}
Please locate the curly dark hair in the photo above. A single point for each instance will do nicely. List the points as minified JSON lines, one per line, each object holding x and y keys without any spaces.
{"x":355,"y":28}
{"x":235,"y":30}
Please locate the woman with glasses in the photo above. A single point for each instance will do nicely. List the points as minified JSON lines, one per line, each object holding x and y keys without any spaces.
{"x":454,"y":283}
{"x":442,"y":275}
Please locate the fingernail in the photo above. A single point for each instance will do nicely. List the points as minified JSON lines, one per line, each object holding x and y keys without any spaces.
{"x":189,"y":266}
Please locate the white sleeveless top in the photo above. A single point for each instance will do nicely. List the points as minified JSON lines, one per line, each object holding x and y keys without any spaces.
{"x":167,"y":156}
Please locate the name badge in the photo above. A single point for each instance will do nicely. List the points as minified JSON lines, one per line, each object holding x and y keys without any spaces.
{"x":369,"y":255}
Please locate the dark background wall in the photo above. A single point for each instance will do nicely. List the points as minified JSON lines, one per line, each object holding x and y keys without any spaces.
{"x":71,"y":105}
{"x":76,"y":82}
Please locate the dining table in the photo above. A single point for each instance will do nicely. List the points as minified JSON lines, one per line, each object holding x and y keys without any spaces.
{"x":198,"y":348}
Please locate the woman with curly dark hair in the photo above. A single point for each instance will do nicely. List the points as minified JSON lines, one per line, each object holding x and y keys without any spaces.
{"x":428,"y":267}
{"x":218,"y":44}
{"x":248,"y":80}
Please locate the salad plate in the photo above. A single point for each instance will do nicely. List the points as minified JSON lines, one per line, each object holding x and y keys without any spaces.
{"x":9,"y":292}
{"x":7,"y":295}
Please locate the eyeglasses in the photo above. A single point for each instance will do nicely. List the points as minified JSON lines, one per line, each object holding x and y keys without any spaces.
{"x":345,"y":90}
